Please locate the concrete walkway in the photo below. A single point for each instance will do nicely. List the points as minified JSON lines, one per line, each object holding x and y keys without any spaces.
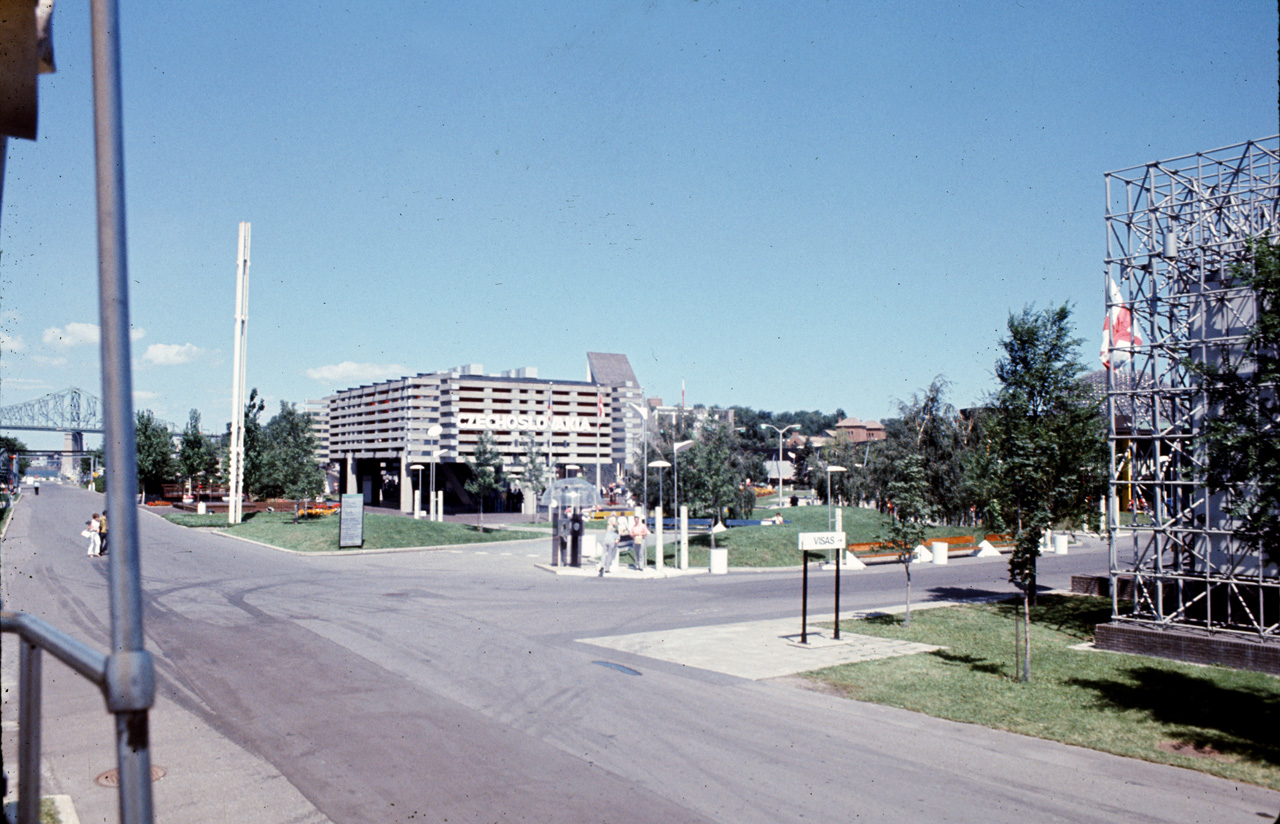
{"x":757,"y":650}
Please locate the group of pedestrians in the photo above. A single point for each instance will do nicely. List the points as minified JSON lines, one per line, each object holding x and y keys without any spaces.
{"x":96,"y":532}
{"x":623,"y":532}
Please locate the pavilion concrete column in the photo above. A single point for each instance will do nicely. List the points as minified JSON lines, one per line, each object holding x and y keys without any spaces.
{"x":406,"y":487}
{"x":351,"y":486}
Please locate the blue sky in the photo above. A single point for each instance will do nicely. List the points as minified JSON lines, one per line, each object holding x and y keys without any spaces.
{"x":794,"y":205}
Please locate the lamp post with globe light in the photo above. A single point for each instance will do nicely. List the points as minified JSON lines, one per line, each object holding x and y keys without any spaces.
{"x":779,"y":464}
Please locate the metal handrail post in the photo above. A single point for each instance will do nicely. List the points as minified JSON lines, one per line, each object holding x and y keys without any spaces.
{"x":130,"y":673}
{"x":29,"y":737}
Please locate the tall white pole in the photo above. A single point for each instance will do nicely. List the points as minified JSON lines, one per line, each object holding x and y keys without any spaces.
{"x":236,"y":451}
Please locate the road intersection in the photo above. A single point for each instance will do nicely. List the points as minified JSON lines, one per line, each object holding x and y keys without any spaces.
{"x":469,"y":685}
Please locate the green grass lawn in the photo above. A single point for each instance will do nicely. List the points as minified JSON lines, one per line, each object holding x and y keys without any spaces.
{"x":775,"y":546}
{"x":321,"y":534}
{"x":1212,"y":719}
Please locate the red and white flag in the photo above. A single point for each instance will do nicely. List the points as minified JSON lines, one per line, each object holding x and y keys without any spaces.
{"x":599,"y":405}
{"x":1118,"y":336}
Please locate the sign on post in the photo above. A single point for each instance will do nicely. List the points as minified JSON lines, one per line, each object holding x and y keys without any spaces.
{"x":351,"y":521}
{"x":821,"y":541}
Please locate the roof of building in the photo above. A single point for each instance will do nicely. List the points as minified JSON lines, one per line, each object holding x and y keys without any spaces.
{"x":611,"y":369}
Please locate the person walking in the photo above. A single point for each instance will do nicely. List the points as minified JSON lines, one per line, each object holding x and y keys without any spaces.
{"x":94,"y":536}
{"x":102,"y":534}
{"x":609,"y":556}
{"x":640,"y":531}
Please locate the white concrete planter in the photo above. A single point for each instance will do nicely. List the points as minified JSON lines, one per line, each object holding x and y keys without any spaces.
{"x":719,"y":561}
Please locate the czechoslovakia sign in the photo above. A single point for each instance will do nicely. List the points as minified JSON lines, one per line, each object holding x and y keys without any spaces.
{"x":537,"y":423}
{"x":818,"y":541}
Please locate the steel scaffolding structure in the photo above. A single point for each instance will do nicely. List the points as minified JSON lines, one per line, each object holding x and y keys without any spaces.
{"x":1175,"y":229}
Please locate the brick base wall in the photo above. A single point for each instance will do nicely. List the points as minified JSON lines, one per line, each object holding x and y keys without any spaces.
{"x":1196,"y":647}
{"x":1100,"y":585}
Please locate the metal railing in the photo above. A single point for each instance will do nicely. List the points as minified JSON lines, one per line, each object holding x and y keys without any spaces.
{"x":38,"y":636}
{"x":127,"y":675}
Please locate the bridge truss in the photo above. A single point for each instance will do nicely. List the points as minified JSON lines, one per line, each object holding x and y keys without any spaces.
{"x":71,"y":410}
{"x":1175,"y":229}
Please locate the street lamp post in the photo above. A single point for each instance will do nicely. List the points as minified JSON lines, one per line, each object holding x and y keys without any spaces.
{"x":417,"y":504}
{"x":433,"y":433}
{"x":659,"y":465}
{"x":779,"y":464}
{"x":831,"y":469}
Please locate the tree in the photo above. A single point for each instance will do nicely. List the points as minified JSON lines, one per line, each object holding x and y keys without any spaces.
{"x":288,"y":464}
{"x":13,"y":446}
{"x":1240,"y":432}
{"x":197,"y":457}
{"x":931,"y":422}
{"x":535,"y":475}
{"x":485,"y":464}
{"x":251,"y":479}
{"x":156,"y":466}
{"x":715,"y":472}
{"x":911,"y":512}
{"x":1049,"y":440}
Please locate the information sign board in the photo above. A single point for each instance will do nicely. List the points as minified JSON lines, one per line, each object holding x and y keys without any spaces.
{"x":821,"y":541}
{"x":351,"y":521}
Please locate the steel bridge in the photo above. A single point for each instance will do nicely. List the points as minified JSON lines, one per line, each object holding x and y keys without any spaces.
{"x":71,"y":410}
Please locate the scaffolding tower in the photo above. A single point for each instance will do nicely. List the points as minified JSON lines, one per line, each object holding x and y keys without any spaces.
{"x":1175,"y":230}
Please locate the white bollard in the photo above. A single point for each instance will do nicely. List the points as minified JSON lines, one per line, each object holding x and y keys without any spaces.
{"x":1059,"y":544}
{"x":921,"y":555}
{"x":939,"y":549}
{"x":719,"y":561}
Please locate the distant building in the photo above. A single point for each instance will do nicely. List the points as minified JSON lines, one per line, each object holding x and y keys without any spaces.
{"x":859,"y":431}
{"x":378,"y":432}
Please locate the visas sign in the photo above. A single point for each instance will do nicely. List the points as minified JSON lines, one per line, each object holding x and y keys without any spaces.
{"x":821,"y":541}
{"x":529,"y":423}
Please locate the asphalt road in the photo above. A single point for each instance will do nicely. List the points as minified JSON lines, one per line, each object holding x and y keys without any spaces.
{"x":452,"y":685}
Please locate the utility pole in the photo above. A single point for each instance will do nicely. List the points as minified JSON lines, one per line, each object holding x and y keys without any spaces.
{"x":236,"y":452}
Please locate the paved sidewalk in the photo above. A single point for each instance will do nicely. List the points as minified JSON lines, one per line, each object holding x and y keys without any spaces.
{"x":757,"y":650}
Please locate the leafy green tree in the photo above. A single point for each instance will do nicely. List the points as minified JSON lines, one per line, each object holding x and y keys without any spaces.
{"x":197,"y":457}
{"x":1049,"y":441}
{"x":485,"y":464}
{"x":933,"y":424}
{"x":714,"y":472}
{"x":156,"y":466}
{"x":252,"y":478}
{"x":13,"y":446}
{"x":1240,"y":433}
{"x":288,"y":464}
{"x":911,"y":513}
{"x":535,"y":475}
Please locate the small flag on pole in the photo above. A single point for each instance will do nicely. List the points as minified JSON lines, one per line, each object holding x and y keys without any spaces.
{"x":1118,"y":337}
{"x":599,"y":405}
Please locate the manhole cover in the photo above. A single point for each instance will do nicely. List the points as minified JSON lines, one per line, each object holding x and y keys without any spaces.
{"x":111,"y":778}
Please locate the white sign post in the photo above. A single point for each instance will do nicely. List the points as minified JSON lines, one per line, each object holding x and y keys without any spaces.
{"x":816,"y":542}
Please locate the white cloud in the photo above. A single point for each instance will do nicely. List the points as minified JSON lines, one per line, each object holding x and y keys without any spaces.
{"x":76,"y":334}
{"x":47,"y":361}
{"x":73,"y":334}
{"x":25,"y":383}
{"x":171,"y":354}
{"x":11,"y":343}
{"x":349,"y":372}
{"x":144,"y":395}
